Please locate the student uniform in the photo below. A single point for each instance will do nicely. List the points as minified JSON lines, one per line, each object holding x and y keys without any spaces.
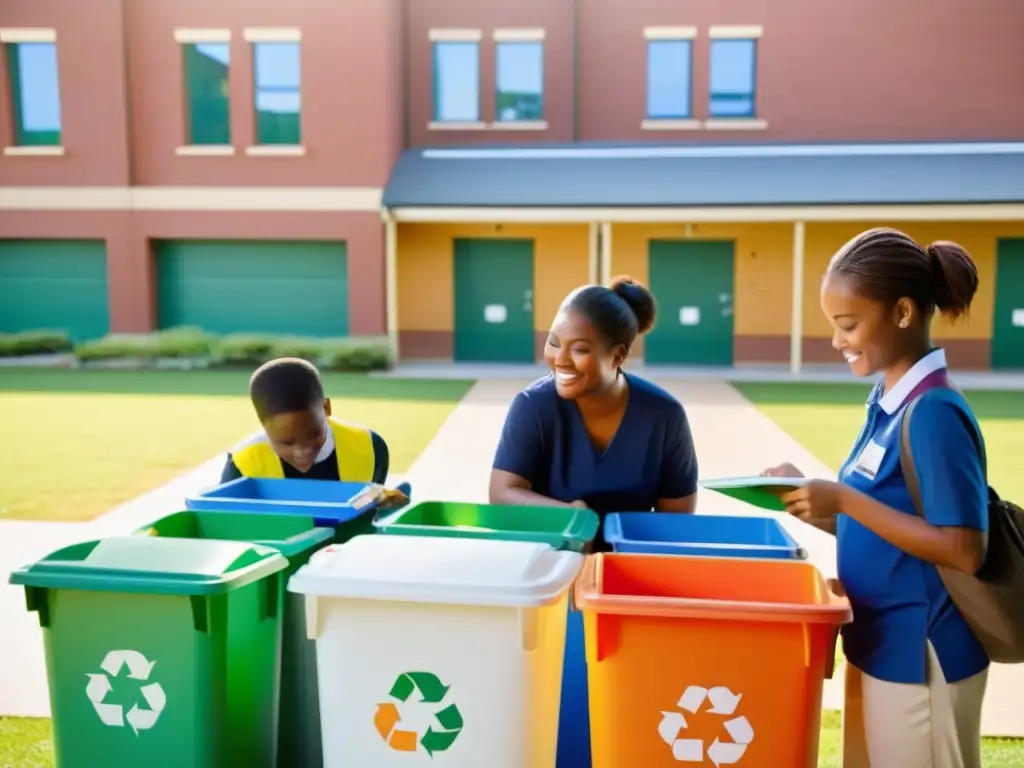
{"x":651,"y":456}
{"x":916,"y":674}
{"x":350,"y":453}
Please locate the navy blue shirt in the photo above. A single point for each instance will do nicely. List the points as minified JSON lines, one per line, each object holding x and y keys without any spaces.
{"x":899,"y":601}
{"x":651,"y":456}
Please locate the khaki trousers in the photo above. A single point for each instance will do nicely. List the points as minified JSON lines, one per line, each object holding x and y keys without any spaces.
{"x":898,"y":725}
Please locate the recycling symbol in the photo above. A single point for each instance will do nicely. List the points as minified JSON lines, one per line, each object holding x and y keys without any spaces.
{"x":139,"y":668}
{"x":432,"y":691}
{"x":723,"y":702}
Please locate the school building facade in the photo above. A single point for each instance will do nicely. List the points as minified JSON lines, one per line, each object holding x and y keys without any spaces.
{"x":445,"y":171}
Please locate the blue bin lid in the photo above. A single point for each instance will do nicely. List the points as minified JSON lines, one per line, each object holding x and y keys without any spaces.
{"x":701,"y":534}
{"x":326,"y":501}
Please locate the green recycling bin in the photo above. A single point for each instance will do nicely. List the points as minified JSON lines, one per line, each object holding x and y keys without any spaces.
{"x":160,"y":652}
{"x":297,"y":538}
{"x":565,"y":528}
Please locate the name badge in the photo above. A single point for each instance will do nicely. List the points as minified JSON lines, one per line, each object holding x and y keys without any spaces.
{"x":870,"y":459}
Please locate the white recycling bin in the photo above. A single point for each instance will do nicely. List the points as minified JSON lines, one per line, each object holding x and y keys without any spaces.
{"x":436,"y":647}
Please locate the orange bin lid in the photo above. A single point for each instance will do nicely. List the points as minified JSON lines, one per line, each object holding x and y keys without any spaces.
{"x":718,"y":588}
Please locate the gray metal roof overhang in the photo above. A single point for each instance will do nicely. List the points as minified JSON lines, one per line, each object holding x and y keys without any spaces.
{"x":646,"y":176}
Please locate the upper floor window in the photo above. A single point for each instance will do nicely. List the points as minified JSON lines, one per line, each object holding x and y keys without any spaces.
{"x":669,"y":78}
{"x":733,"y":83}
{"x":278,"y":86}
{"x":519,"y":63}
{"x":207,"y":61}
{"x":35,"y":86}
{"x":456,"y":68}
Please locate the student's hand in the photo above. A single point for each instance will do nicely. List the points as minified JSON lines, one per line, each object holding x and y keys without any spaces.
{"x":392,"y":498}
{"x":579,"y":504}
{"x":818,"y":499}
{"x":782,"y":470}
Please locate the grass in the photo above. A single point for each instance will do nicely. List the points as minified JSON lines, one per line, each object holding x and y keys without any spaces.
{"x":85,"y":441}
{"x":25,"y":743}
{"x":825,"y":419}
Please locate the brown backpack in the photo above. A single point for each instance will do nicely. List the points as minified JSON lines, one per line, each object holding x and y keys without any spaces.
{"x":991,"y":600}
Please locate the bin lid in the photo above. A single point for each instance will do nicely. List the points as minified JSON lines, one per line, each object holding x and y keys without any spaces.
{"x":153,"y":565}
{"x":439,"y":570}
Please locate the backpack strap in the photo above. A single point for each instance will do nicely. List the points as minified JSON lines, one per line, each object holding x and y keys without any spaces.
{"x":907,"y":458}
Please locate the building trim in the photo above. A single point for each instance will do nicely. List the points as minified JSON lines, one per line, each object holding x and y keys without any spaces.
{"x":272,"y":35}
{"x":28,"y":35}
{"x":796,"y":329}
{"x":518,"y":35}
{"x":670,"y":33}
{"x":276,"y":150}
{"x":670,"y":124}
{"x":748,"y":32}
{"x":48,"y":150}
{"x":736,"y":124}
{"x":606,"y":254}
{"x":204,"y":150}
{"x":456,"y":125}
{"x":594,"y":253}
{"x":519,"y":125}
{"x":202,"y":35}
{"x":454,"y":35}
{"x":724,"y":214}
{"x":270,"y":199}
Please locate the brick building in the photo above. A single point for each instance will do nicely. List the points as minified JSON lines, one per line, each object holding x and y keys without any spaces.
{"x":445,"y":171}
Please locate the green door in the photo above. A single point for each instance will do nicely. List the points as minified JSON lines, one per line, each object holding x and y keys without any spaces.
{"x":54,"y":285}
{"x":292,"y":288}
{"x":1008,"y":320}
{"x":693,"y":284}
{"x":494,"y":301}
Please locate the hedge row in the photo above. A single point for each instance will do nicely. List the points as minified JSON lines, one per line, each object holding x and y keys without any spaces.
{"x":194,"y":346}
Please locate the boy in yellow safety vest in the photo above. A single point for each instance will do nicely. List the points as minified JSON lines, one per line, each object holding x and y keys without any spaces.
{"x":299,"y":437}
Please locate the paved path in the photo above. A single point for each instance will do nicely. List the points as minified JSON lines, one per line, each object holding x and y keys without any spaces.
{"x":732,"y":435}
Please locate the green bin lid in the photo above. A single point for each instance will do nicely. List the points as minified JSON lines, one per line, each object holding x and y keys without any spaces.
{"x":153,"y":565}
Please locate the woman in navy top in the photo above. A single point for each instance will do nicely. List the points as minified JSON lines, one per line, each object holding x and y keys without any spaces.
{"x":588,"y":434}
{"x":916,"y":675}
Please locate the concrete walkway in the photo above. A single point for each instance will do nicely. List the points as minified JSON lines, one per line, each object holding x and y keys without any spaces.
{"x":732,"y":436}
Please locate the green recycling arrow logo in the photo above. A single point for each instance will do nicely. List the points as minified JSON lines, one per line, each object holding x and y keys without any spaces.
{"x":387,"y":719}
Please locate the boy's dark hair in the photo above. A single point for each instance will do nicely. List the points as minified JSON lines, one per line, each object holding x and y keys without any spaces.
{"x":285,"y":385}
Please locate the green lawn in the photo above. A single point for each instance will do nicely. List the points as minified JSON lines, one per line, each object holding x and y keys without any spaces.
{"x":825,"y":419}
{"x":25,"y":743}
{"x":112,"y":435}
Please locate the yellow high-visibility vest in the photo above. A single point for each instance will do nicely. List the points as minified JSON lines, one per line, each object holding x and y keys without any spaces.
{"x":353,"y":447}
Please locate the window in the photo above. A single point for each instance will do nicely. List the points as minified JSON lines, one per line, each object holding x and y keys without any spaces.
{"x":520,"y":80}
{"x":669,"y":79}
{"x":35,"y":92}
{"x":278,"y":92}
{"x":206,"y":90}
{"x":733,"y":78}
{"x":456,"y":81}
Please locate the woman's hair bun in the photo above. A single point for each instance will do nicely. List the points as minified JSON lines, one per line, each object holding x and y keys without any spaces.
{"x":956,"y":277}
{"x":639,"y":299}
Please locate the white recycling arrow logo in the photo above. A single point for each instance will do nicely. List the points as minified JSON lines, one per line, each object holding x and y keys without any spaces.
{"x":723,"y":702}
{"x":139,"y":668}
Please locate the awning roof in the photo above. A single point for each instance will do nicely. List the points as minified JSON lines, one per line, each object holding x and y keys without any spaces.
{"x":649,"y":176}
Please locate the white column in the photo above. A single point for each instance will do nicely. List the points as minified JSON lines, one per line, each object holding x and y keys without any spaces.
{"x":796,"y":331}
{"x":604,"y":273}
{"x":594,"y":263}
{"x":391,"y":280}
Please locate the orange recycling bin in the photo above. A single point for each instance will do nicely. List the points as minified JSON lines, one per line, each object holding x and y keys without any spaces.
{"x":706,"y":660}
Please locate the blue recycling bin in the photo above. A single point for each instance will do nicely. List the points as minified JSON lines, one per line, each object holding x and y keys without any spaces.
{"x":660,"y":533}
{"x":346,"y":507}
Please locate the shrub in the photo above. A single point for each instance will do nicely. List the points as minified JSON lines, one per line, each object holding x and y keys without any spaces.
{"x":249,"y":350}
{"x":175,"y":343}
{"x":367,"y":353}
{"x":26,"y":343}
